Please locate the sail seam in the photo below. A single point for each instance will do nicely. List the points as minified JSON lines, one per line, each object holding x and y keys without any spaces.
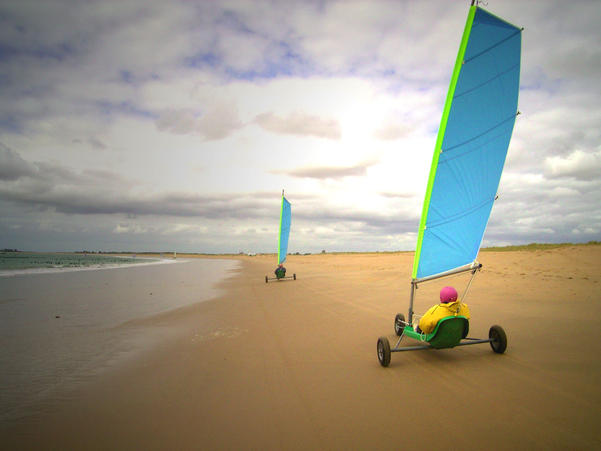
{"x":499,"y":75}
{"x":477,"y":55}
{"x":467,"y":152}
{"x":481,"y":134}
{"x":462,"y":214}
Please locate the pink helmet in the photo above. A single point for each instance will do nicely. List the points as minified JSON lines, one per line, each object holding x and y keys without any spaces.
{"x":448,"y":294}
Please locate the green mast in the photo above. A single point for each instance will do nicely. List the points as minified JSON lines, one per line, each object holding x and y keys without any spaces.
{"x":441,"y":132}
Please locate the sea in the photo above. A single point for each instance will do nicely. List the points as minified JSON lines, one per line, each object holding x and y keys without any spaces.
{"x":14,"y":263}
{"x":65,"y":319}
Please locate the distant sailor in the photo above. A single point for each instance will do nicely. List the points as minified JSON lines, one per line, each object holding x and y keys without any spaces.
{"x":280,"y":271}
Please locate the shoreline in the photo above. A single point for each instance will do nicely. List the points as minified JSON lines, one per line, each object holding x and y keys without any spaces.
{"x":61,"y":269}
{"x":62,"y":331}
{"x":292,"y":364}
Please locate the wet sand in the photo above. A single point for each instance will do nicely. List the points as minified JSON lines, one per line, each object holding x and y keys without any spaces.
{"x":292,"y":365}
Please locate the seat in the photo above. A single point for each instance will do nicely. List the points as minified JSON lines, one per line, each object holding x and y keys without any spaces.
{"x":448,"y":332}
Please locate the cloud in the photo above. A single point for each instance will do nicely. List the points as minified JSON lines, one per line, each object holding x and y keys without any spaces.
{"x":216,"y":123}
{"x":12,"y":166}
{"x":95,"y":200}
{"x":578,"y":164}
{"x":365,"y":221}
{"x":329,"y":172}
{"x":130,"y":228}
{"x":179,"y":228}
{"x":392,"y":132}
{"x":398,"y":195}
{"x":178,"y":121}
{"x":45,"y":176}
{"x":93,"y":142}
{"x":300,"y":124}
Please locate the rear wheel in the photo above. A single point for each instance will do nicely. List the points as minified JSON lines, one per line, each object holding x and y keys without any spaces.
{"x":294,"y":275}
{"x":399,"y":324}
{"x":383,"y":351}
{"x":498,"y":339}
{"x":265,"y":279}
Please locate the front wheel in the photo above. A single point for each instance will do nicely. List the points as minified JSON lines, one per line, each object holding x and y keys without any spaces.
{"x":399,"y":324}
{"x":498,"y":339}
{"x":265,"y":279}
{"x":294,"y":275}
{"x":383,"y":351}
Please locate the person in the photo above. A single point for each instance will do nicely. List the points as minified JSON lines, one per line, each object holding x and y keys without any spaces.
{"x":280,"y":271}
{"x":449,"y":306}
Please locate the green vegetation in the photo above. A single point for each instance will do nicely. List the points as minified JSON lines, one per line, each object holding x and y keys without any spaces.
{"x":536,"y":246}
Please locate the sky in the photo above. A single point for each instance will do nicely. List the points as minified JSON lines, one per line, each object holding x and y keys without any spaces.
{"x":175,"y":126}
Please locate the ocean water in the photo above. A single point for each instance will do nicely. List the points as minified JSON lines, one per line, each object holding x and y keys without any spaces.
{"x":13,"y":263}
{"x":61,"y":329}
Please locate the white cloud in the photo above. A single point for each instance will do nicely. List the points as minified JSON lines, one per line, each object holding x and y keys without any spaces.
{"x":325,"y":172}
{"x":392,"y":132}
{"x":300,"y":124}
{"x":130,"y":228}
{"x":216,"y":123}
{"x":578,"y":164}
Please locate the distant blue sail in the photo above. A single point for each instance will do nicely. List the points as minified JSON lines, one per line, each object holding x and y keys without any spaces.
{"x":472,"y":144}
{"x":285,"y":219}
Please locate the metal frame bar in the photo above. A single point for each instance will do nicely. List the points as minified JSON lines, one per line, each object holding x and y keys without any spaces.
{"x":470,"y":267}
{"x":469,"y":284}
{"x":469,"y":341}
{"x":285,"y":277}
{"x":474,"y":266}
{"x":411,"y":297}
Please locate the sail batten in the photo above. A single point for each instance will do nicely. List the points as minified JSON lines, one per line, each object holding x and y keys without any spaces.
{"x":471,"y":146}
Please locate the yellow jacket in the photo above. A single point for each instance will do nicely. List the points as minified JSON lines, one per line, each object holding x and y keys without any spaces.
{"x":430,"y":319}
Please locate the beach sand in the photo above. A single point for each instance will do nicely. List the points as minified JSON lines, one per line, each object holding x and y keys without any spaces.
{"x":292,"y":364}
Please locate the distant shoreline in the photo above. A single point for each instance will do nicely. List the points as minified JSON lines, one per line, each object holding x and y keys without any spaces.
{"x":170,"y":254}
{"x":31,"y":263}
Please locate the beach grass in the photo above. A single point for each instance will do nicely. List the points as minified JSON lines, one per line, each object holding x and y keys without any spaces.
{"x":536,"y":246}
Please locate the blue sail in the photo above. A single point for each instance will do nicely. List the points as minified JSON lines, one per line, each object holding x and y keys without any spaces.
{"x":285,"y":219}
{"x":472,"y":144}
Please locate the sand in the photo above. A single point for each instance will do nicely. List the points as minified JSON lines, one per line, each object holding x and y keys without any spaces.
{"x":292,"y":365}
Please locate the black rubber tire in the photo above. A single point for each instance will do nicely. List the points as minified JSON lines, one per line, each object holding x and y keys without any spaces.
{"x":383,"y":350}
{"x":294,"y":275}
{"x":265,"y":279}
{"x":399,"y":324}
{"x":499,"y":339}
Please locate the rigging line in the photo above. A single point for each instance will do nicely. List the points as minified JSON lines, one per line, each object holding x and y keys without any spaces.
{"x":492,"y":46}
{"x":499,"y":75}
{"x":481,"y":134}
